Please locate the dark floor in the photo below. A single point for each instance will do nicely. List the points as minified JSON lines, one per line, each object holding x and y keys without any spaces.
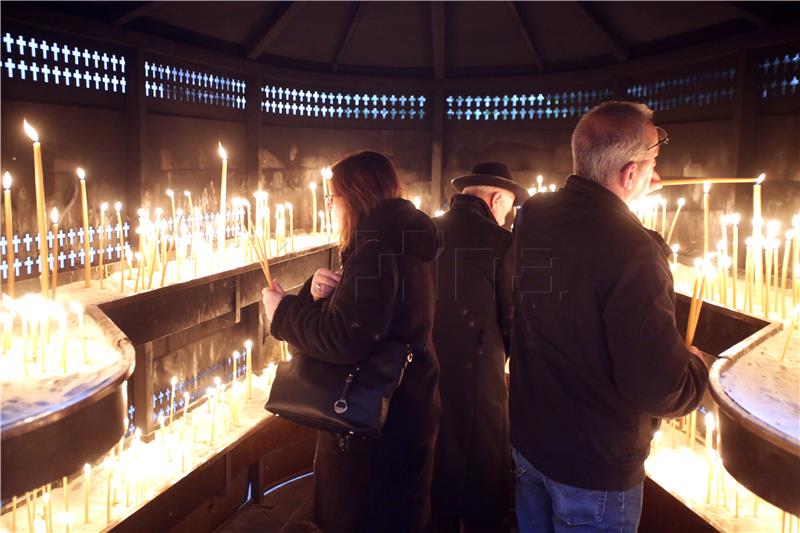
{"x":285,"y":510}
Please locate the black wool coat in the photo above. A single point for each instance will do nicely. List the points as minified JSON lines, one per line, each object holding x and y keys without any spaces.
{"x":596,"y":354}
{"x":473,"y":464}
{"x":381,"y":484}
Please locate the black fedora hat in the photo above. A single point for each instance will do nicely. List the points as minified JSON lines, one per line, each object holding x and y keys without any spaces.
{"x":492,"y":174}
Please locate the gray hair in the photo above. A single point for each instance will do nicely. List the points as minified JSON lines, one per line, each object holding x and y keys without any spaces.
{"x":484,"y":190}
{"x":607,"y":138}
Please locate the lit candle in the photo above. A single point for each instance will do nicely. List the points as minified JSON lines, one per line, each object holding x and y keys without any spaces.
{"x":171,"y":195}
{"x":675,"y":248}
{"x":54,"y":220}
{"x":118,"y":209}
{"x":734,"y":220}
{"x":103,"y":209}
{"x":40,"y":206}
{"x":235,"y":356}
{"x":313,"y":187}
{"x":222,"y":195}
{"x":9,"y":232}
{"x":757,"y":196}
{"x":87,"y":267}
{"x":785,"y":270}
{"x":681,"y":203}
{"x":188,"y":196}
{"x":539,"y":180}
{"x":268,"y":231}
{"x":706,"y":190}
{"x":65,"y":490}
{"x":248,"y":346}
{"x":417,"y":201}
{"x":173,"y":382}
{"x":327,"y":174}
{"x":86,"y":477}
{"x":290,"y":208}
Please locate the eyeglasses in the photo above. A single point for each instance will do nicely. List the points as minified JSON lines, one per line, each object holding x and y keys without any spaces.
{"x":663,"y":138}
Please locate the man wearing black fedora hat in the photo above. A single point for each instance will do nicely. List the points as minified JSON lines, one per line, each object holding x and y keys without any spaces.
{"x":472,"y":471}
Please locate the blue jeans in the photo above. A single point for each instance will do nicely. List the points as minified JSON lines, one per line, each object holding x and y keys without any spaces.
{"x":544,"y":505}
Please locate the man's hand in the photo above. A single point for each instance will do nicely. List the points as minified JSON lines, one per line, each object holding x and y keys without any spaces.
{"x":272,"y":297}
{"x":323,"y":283}
{"x":698,"y":353}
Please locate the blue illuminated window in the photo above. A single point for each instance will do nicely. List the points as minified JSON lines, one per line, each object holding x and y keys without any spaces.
{"x":169,"y":82}
{"x":295,"y":102}
{"x":61,"y":64}
{"x":523,"y":106}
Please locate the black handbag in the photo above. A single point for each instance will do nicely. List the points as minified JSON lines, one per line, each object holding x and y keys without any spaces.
{"x":344,"y":399}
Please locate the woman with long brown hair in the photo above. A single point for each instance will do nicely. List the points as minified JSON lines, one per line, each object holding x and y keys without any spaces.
{"x":385,"y":292}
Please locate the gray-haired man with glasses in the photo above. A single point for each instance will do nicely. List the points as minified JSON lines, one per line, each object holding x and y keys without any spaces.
{"x":596,"y":357}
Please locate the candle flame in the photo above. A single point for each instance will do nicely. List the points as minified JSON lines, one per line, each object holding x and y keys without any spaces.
{"x":54,"y":215}
{"x":531,"y":191}
{"x":248,"y":344}
{"x":326,"y":173}
{"x":552,"y":187}
{"x":438,"y":213}
{"x":174,"y":381}
{"x":86,"y":469}
{"x":7,"y":181}
{"x":735,"y":219}
{"x":681,"y":202}
{"x":170,"y":193}
{"x":118,"y":207}
{"x":81,"y":173}
{"x":221,"y":151}
{"x":29,"y":131}
{"x":760,"y":179}
{"x":104,"y":207}
{"x":675,"y":248}
{"x":313,"y":185}
{"x":706,"y":187}
{"x":539,"y":179}
{"x":790,"y":233}
{"x":417,"y":201}
{"x":187,"y":194}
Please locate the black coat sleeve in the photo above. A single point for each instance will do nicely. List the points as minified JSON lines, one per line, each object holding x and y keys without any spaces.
{"x":650,"y":364}
{"x":356,"y":316}
{"x":504,"y":299}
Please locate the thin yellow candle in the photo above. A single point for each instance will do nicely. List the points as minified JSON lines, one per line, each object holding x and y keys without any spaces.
{"x":290,"y":208}
{"x":65,"y":490}
{"x":188,"y":196}
{"x":87,"y":267}
{"x":268,"y":232}
{"x":785,"y":270}
{"x":9,"y":231}
{"x":186,"y":397}
{"x":102,"y":241}
{"x":222,"y":195}
{"x":697,"y":181}
{"x":118,"y":209}
{"x":54,"y":220}
{"x":171,"y":195}
{"x":327,"y":174}
{"x":734,"y":220}
{"x":795,"y":316}
{"x":235,"y":358}
{"x":86,"y":478}
{"x":173,"y":382}
{"x":757,"y":196}
{"x":248,"y":346}
{"x":681,"y":203}
{"x":313,"y":187}
{"x":109,"y":467}
{"x":706,"y":202}
{"x":40,"y":207}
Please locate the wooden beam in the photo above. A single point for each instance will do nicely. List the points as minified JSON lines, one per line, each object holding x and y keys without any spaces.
{"x":748,"y":13}
{"x":525,"y":34}
{"x":618,"y":49}
{"x":355,"y":14}
{"x":133,"y":13}
{"x":279,"y":20}
{"x":437,"y":32}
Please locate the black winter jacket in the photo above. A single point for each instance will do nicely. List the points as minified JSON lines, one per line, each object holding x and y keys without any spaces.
{"x":596,"y":356}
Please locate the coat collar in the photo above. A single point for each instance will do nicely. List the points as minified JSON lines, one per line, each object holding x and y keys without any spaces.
{"x":472,"y":203}
{"x":600,"y":194}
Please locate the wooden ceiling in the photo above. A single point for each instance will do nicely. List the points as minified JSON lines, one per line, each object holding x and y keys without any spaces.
{"x":438,"y":39}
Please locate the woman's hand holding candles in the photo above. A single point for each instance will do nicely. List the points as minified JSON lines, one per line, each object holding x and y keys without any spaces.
{"x":272,"y":297}
{"x":323,"y":283}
